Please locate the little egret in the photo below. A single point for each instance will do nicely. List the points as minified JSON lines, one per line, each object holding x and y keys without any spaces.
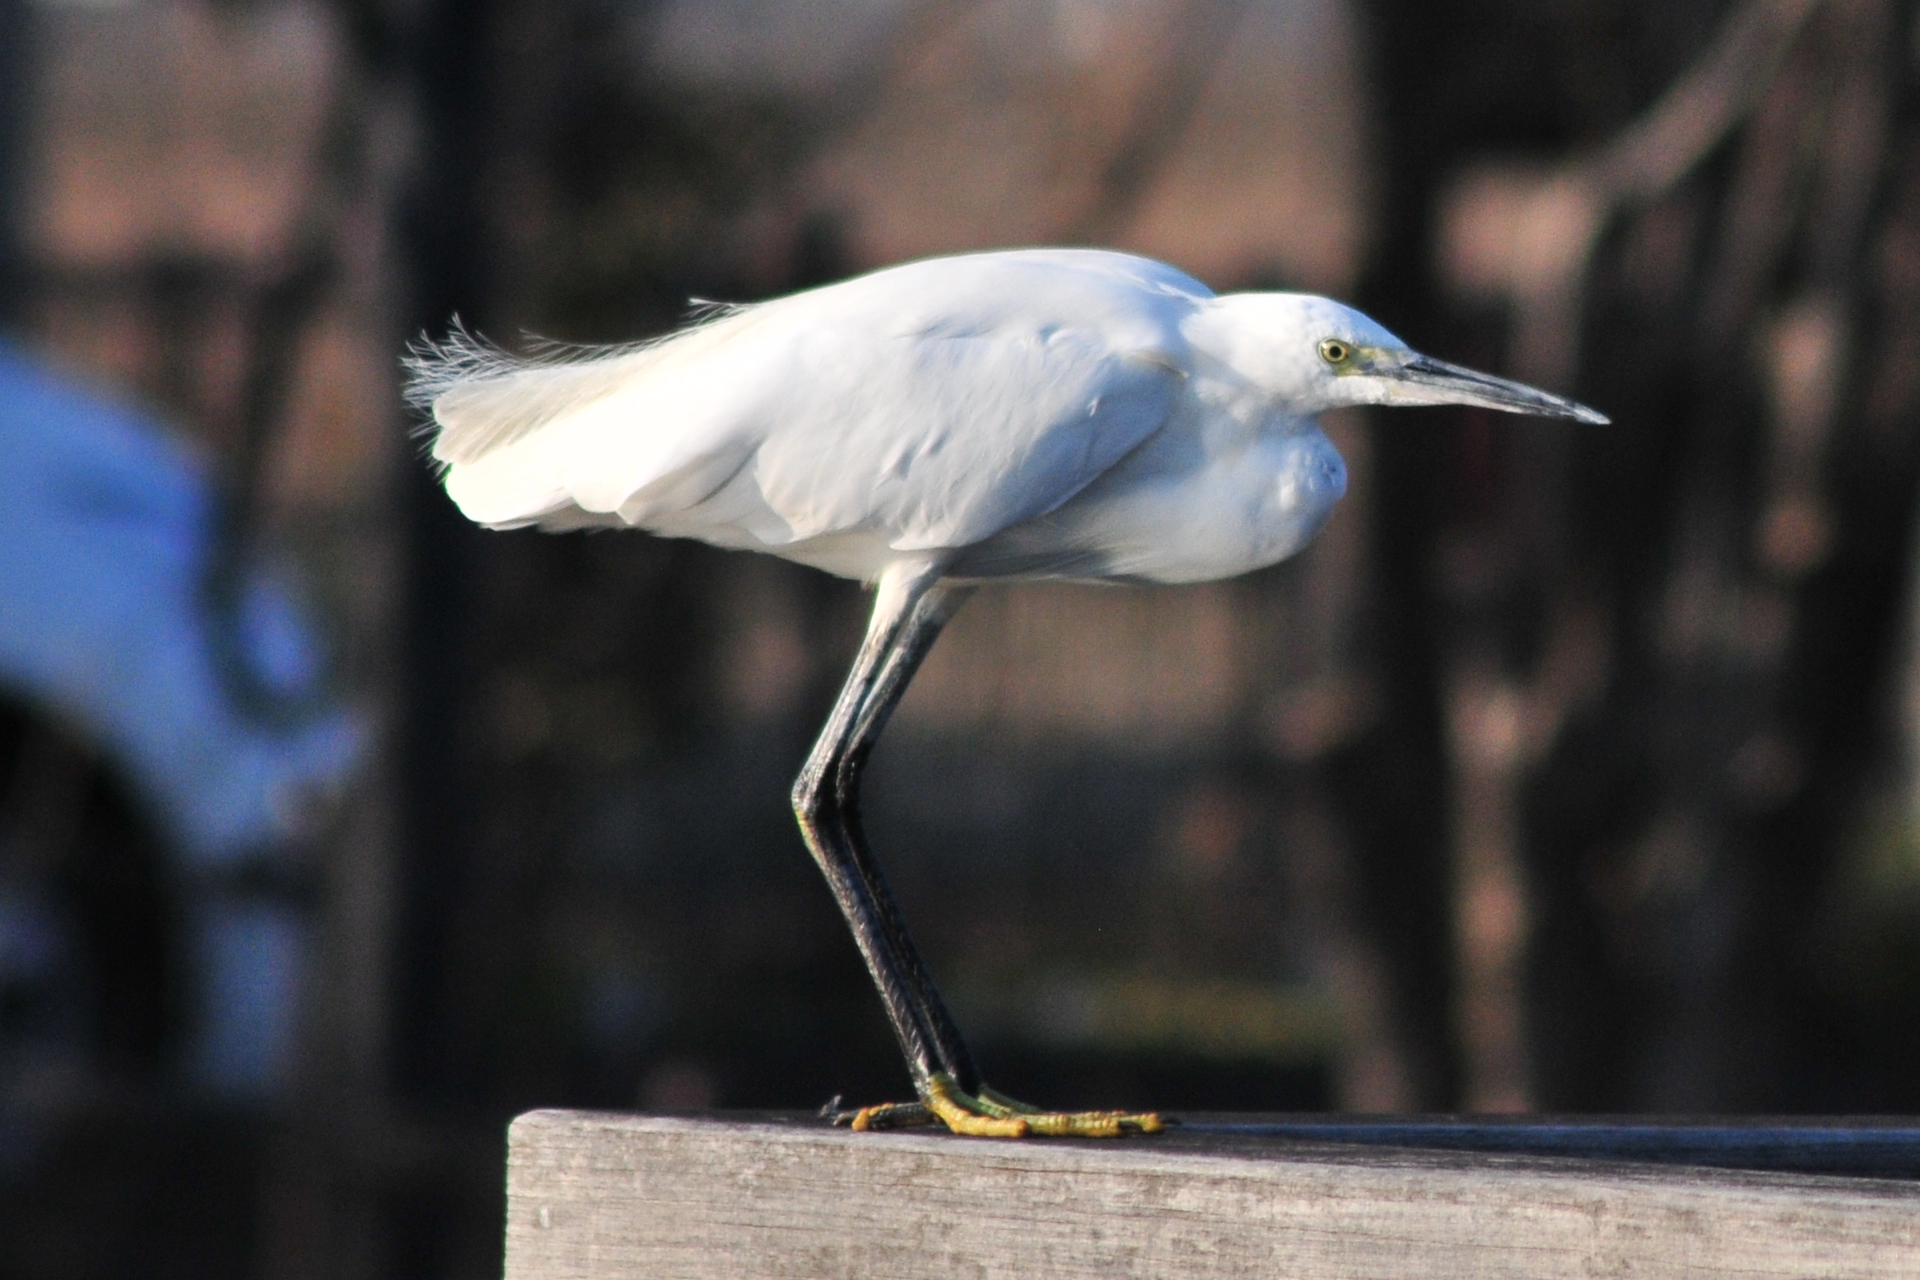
{"x":992,"y":417}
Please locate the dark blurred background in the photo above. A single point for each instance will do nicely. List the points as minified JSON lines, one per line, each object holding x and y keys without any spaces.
{"x":1571,"y":770}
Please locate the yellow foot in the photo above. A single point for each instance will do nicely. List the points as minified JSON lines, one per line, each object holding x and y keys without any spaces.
{"x":991,"y":1114}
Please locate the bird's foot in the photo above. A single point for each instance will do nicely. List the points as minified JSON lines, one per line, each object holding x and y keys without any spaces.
{"x":992,"y":1114}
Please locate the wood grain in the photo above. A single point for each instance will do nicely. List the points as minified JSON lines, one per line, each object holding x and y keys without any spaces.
{"x":594,"y":1196}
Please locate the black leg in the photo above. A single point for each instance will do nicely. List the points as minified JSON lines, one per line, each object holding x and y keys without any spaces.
{"x":927,"y":618}
{"x":910,"y":608}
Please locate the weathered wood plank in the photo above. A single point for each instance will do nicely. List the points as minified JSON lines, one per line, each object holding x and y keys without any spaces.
{"x":594,"y":1196}
{"x":1887,"y":1147}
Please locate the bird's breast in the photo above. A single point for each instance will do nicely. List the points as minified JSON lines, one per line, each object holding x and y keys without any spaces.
{"x":1193,"y":505}
{"x":1249,"y":508}
{"x":1311,"y":477}
{"x":1304,"y":476}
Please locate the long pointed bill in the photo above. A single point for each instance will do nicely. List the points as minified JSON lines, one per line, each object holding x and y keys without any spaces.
{"x":1423,"y":380}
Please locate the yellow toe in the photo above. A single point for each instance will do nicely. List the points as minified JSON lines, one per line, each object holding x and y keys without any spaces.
{"x":992,"y":1114}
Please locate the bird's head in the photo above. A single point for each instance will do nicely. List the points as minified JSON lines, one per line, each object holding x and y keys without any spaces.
{"x":1312,"y":354}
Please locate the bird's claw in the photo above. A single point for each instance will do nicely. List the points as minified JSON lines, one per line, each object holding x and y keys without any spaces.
{"x":888,"y":1115}
{"x":992,"y":1114}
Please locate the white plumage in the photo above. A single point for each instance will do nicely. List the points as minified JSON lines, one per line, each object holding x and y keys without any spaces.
{"x":1036,"y":413}
{"x":1039,"y":413}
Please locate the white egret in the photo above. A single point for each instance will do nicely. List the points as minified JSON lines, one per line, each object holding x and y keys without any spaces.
{"x":1048,"y":413}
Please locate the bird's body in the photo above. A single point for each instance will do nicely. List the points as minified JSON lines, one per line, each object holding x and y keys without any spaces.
{"x":1028,"y":414}
{"x":1046,"y":413}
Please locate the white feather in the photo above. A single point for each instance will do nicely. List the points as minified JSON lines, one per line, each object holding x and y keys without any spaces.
{"x":483,"y":398}
{"x":1028,"y":413}
{"x":963,"y":419}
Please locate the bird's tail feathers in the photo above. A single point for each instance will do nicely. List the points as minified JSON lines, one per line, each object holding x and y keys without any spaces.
{"x":482,"y":398}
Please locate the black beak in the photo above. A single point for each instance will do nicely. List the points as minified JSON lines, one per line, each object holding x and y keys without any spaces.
{"x":1431,"y":381}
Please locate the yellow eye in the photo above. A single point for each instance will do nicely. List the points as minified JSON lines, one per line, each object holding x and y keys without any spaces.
{"x":1334,"y":351}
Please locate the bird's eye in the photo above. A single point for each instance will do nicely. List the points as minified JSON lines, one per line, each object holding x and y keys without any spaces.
{"x":1334,"y":351}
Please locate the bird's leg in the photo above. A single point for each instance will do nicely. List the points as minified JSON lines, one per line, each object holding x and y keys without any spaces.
{"x":826,"y":798}
{"x":910,"y":608}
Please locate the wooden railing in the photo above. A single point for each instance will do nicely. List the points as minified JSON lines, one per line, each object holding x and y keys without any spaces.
{"x":593,"y":1196}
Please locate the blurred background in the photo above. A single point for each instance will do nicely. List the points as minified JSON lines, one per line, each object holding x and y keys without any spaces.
{"x":1571,"y":770}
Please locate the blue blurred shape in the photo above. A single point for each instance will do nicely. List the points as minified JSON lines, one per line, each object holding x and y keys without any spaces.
{"x":102,"y":559}
{"x":248,"y":954}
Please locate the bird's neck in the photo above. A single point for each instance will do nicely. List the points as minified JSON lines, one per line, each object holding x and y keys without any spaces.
{"x":1254,"y":341}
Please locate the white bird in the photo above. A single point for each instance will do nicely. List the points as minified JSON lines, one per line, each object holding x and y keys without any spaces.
{"x":1041,"y":413}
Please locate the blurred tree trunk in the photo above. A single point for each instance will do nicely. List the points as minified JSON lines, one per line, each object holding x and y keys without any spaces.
{"x":16,"y":97}
{"x":1651,"y":754}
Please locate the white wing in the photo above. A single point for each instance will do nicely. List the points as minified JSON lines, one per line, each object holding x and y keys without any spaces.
{"x":933,"y":404}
